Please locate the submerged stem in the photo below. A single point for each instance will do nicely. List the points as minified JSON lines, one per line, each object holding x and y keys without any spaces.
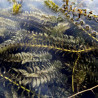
{"x":74,"y":71}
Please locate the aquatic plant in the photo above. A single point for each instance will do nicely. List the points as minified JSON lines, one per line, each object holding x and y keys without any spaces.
{"x":79,"y":75}
{"x":16,"y":6}
{"x":71,"y":13}
{"x":39,"y":56}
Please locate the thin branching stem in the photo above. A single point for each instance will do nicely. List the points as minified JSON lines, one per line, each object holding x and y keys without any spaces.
{"x":90,"y":89}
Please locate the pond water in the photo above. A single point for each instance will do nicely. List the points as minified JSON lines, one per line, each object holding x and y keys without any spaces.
{"x":31,"y":5}
{"x":45,"y":53}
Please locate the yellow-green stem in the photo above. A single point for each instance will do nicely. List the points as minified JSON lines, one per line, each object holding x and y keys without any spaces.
{"x":74,"y":71}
